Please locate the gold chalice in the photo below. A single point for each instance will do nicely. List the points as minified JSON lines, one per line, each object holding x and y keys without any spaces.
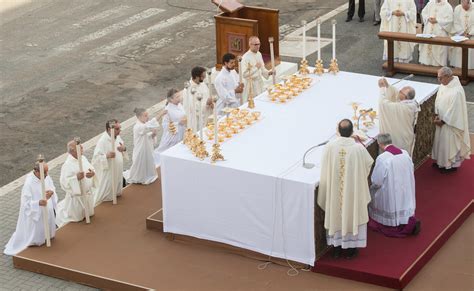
{"x":220,"y":137}
{"x":256,"y":115}
{"x":372,"y":115}
{"x":362,"y":113}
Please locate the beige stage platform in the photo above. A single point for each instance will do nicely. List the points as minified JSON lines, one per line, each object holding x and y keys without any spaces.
{"x":117,"y":252}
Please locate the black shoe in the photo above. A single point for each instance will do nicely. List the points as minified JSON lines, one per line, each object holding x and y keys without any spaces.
{"x":351,"y":253}
{"x":435,"y":165}
{"x":361,"y":19}
{"x":348,"y":19}
{"x":376,"y":22}
{"x":417,"y":229}
{"x":336,"y":252}
{"x":447,"y":171}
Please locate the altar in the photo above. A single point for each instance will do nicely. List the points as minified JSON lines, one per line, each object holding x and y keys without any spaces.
{"x":260,"y":198}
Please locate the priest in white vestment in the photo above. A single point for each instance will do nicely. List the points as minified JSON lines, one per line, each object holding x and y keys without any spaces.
{"x":463,"y":25}
{"x":399,"y":16}
{"x":29,"y":227}
{"x":72,"y":207}
{"x":192,"y":106}
{"x":392,"y":209}
{"x":253,"y":76}
{"x":108,"y":163}
{"x":437,"y":17}
{"x":227,"y":84}
{"x":143,"y":170}
{"x":398,"y":111}
{"x":174,"y":114}
{"x":451,"y":142}
{"x":344,"y":191}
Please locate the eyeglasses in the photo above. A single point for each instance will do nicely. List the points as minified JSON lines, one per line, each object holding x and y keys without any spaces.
{"x":255,"y":44}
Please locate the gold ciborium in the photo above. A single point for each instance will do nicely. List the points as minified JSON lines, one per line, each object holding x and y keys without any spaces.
{"x":256,"y":115}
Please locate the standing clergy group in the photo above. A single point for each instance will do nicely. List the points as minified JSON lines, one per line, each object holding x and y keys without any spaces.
{"x":438,"y":19}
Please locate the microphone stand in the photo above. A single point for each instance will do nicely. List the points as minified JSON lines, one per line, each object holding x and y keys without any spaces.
{"x":310,"y":165}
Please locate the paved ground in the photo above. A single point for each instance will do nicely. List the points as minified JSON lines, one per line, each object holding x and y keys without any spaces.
{"x":67,"y":66}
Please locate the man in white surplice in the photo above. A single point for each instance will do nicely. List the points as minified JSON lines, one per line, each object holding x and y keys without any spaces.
{"x":174,"y":114}
{"x":143,"y":170}
{"x":398,"y":110}
{"x":392,"y":209}
{"x":437,"y":17}
{"x":71,"y":208}
{"x":191,"y":103}
{"x":29,"y":228}
{"x":399,"y":16}
{"x":344,"y":191}
{"x":106,"y":160}
{"x":451,"y":142}
{"x":257,"y":69}
{"x":463,"y":24}
{"x":227,"y":84}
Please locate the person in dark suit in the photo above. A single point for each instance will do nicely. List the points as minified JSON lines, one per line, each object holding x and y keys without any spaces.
{"x":360,"y":12}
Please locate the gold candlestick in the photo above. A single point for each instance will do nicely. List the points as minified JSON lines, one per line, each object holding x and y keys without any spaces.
{"x":319,"y":67}
{"x":251,"y":102}
{"x":334,"y":67}
{"x":304,"y":67}
{"x":216,"y":153}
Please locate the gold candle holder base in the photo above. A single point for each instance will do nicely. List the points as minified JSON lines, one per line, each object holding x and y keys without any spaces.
{"x":201,"y":151}
{"x":304,"y":67}
{"x":188,"y":135}
{"x":334,"y":67}
{"x":251,"y":102}
{"x":319,"y":67}
{"x":216,"y":153}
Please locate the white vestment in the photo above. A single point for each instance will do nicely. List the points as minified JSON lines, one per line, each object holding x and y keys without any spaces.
{"x":29,"y":227}
{"x":463,"y":22}
{"x":175,"y":115}
{"x":393,"y":189}
{"x":71,"y":208}
{"x":143,"y":170}
{"x":344,"y":192}
{"x":191,"y":105}
{"x":255,"y":75}
{"x":403,"y":51}
{"x":451,"y":143}
{"x":398,"y":118}
{"x":104,"y":168}
{"x":225,"y":83}
{"x":436,"y":55}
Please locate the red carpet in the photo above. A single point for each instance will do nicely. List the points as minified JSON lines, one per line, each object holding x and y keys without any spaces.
{"x":444,"y":202}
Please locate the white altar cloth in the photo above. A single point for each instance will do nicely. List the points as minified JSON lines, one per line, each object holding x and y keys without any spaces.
{"x":261,"y":198}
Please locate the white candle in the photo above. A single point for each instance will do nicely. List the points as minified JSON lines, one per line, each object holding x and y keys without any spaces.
{"x":215,"y":122}
{"x":44,"y":209}
{"x":81,"y":169}
{"x":319,"y":39}
{"x":112,"y":163}
{"x":334,"y":39}
{"x":272,"y":57}
{"x":304,"y":39}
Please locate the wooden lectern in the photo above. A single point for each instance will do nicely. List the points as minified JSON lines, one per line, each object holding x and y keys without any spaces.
{"x":237,"y":23}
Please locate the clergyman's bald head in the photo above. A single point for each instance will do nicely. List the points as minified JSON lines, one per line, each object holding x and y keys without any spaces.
{"x":345,"y":128}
